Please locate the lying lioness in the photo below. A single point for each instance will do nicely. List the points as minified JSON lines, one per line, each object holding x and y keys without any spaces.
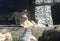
{"x":22,"y":19}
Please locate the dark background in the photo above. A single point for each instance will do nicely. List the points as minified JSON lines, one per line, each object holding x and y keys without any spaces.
{"x":9,"y":6}
{"x":56,"y":13}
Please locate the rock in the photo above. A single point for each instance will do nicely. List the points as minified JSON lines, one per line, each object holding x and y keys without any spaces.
{"x":45,"y":1}
{"x":5,"y":35}
{"x":27,"y":36}
{"x":51,"y":35}
{"x":43,"y":15}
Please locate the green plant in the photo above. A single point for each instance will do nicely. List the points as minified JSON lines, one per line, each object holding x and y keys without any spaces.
{"x":15,"y":38}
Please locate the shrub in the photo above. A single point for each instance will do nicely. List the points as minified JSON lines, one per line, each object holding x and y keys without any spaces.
{"x":15,"y":38}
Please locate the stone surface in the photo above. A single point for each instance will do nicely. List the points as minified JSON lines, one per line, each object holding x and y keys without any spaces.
{"x":27,"y":36}
{"x":43,"y":15}
{"x":41,"y":1}
{"x":57,"y":1}
{"x":5,"y":35}
{"x":51,"y":35}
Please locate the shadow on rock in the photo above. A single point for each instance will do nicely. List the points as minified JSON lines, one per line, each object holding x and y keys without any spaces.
{"x":50,"y":35}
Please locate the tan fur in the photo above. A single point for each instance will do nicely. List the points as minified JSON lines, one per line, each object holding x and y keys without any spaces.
{"x":23,"y":19}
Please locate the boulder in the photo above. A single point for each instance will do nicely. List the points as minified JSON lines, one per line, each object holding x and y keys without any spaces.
{"x":27,"y":36}
{"x":5,"y":35}
{"x":50,"y":35}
